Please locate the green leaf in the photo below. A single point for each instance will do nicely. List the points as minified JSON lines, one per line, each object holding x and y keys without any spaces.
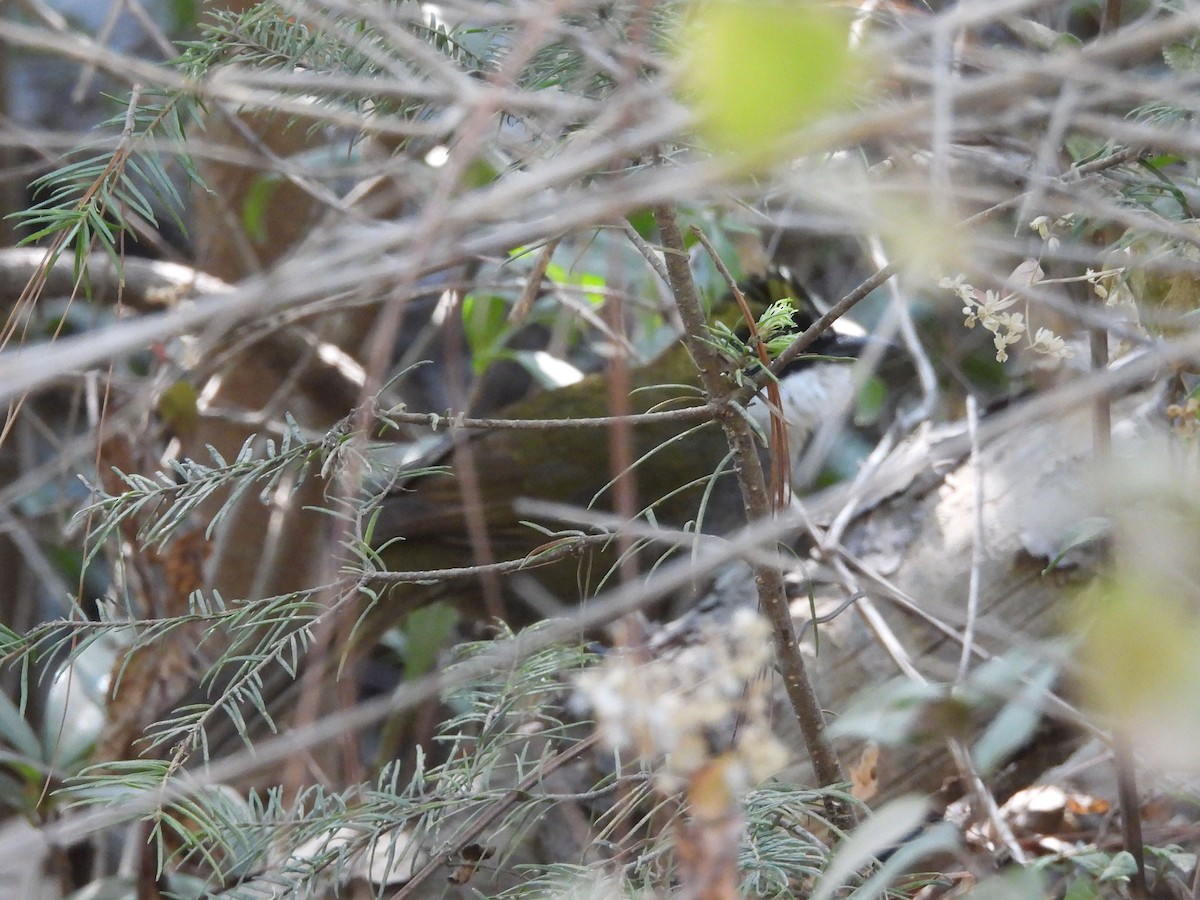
{"x":870,"y":403}
{"x":255,"y":204}
{"x":1019,"y":884}
{"x":1119,"y":868}
{"x":1174,"y":856}
{"x":178,"y":407}
{"x":757,"y":71}
{"x":1015,"y":723}
{"x":643,"y":223}
{"x":1081,"y":889}
{"x":593,"y":285}
{"x":1140,"y":664}
{"x":881,"y":832}
{"x":425,"y":633}
{"x":485,"y":323}
{"x":1093,"y":862}
{"x":898,"y":711}
{"x":1086,"y":531}
{"x":1182,"y":58}
{"x":16,"y":732}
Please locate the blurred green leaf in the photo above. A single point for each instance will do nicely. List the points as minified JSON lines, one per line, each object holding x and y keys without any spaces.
{"x":643,"y":223}
{"x":1120,"y":867}
{"x":756,"y":71}
{"x":1183,"y":58}
{"x":1015,"y":724}
{"x":892,"y":713}
{"x":425,"y":633}
{"x":183,"y":14}
{"x":870,"y":402}
{"x":594,"y":286}
{"x":881,"y":832}
{"x":1081,"y":888}
{"x":1086,"y":531}
{"x":902,"y":860}
{"x":1017,"y":884}
{"x":178,"y":407}
{"x":16,"y":732}
{"x":255,"y":206}
{"x":1140,"y":650}
{"x":485,"y":323}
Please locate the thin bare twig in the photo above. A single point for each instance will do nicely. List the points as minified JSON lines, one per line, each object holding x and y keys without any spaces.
{"x":435,"y":421}
{"x":968,"y":641}
{"x":648,"y":253}
{"x":556,"y":550}
{"x":533,"y":284}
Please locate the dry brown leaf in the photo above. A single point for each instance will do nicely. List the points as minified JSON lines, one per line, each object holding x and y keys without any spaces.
{"x":864,"y":774}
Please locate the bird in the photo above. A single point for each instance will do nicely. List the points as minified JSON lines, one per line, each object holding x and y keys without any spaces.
{"x":423,"y":525}
{"x":419,"y":523}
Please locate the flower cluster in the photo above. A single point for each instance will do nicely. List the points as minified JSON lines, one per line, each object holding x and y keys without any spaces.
{"x":706,"y":703}
{"x":989,"y":309}
{"x":992,"y":310}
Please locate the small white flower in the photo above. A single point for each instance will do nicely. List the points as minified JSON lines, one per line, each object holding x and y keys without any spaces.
{"x":992,"y":303}
{"x":1014,"y":324}
{"x":1051,"y":344}
{"x":1045,"y":229}
{"x":1006,"y":327}
{"x":959,"y":285}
